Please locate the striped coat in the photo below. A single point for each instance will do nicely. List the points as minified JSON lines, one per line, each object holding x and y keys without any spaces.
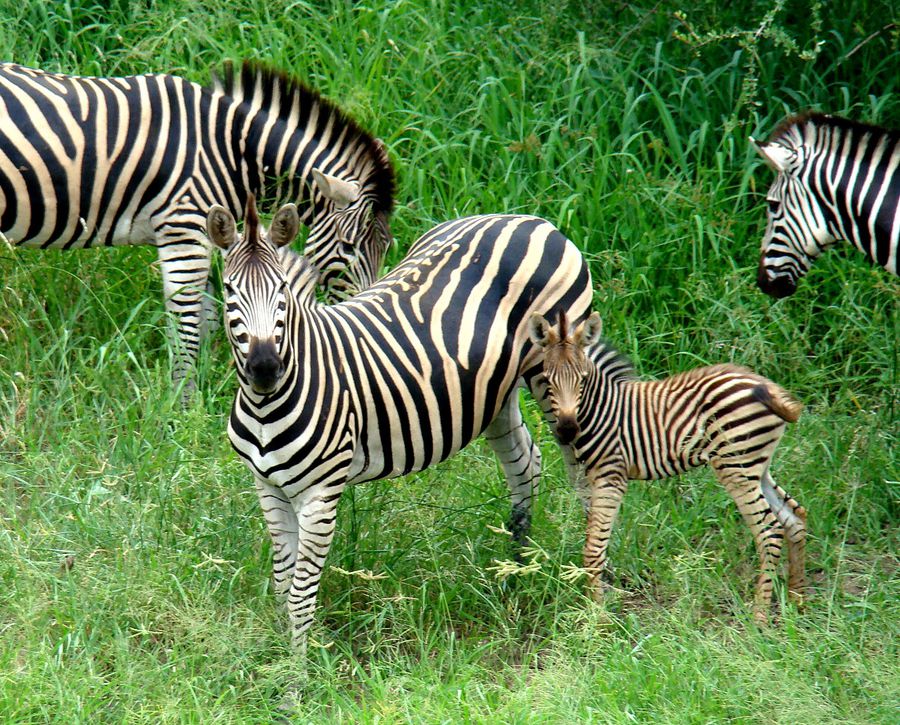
{"x":90,"y":162}
{"x":622,"y":429}
{"x":391,"y":381}
{"x":836,"y":179}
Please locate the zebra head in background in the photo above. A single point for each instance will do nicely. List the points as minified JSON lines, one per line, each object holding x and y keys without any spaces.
{"x":349,"y":235}
{"x":796,"y":229}
{"x":311,"y":152}
{"x":837,"y":179}
{"x":257,"y":293}
{"x":565,"y":366}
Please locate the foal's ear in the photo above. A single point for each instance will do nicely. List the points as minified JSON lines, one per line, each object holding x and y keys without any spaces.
{"x":220,"y":227}
{"x":539,"y":330}
{"x":588,"y":332}
{"x":285,"y":225}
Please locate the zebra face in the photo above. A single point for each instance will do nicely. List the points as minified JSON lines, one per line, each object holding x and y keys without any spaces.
{"x":566,"y":366}
{"x":796,"y":227}
{"x":257,"y":295}
{"x":349,"y":239}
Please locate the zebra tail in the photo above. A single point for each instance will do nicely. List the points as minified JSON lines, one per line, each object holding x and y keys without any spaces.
{"x":778,"y":400}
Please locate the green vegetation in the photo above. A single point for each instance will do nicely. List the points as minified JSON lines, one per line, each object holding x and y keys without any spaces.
{"x":134,"y":564}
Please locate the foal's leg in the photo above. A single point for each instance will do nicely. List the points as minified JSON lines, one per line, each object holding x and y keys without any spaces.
{"x":744,"y":486}
{"x":607,"y":489}
{"x":793,"y":518}
{"x":520,"y":459}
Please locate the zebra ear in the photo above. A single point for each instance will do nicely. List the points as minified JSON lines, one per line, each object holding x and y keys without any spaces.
{"x":285,"y":225}
{"x":777,"y":157}
{"x":588,"y":332}
{"x":340,"y":192}
{"x":539,"y":330}
{"x":220,"y":227}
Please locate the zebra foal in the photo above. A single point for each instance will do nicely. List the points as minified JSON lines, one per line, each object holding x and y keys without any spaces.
{"x":622,"y":429}
{"x":391,"y":381}
{"x":836,"y":179}
{"x":88,"y":162}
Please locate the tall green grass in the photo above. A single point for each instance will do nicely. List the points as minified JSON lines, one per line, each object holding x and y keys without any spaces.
{"x":134,"y":564}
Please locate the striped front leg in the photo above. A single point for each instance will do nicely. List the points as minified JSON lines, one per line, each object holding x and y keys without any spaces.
{"x":316,"y":515}
{"x":608,"y":487}
{"x":282,"y":523}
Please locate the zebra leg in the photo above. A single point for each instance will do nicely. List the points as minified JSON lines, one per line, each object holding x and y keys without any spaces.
{"x":211,"y":319}
{"x":282,"y":522}
{"x":607,"y":490}
{"x":520,"y":459}
{"x":184,"y":264}
{"x":793,"y":518}
{"x":745,"y":487}
{"x":315,"y":527}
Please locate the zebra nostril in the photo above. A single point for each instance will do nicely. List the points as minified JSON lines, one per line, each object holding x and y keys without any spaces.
{"x":264,"y":366}
{"x":782,"y":285}
{"x":566,"y":428}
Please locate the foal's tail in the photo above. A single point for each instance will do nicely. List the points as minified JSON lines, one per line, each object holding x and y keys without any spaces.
{"x":778,"y":400}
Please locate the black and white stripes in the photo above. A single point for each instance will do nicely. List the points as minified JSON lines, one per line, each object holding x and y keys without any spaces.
{"x":837,"y":179}
{"x":392,"y":381}
{"x":139,"y":160}
{"x":624,"y":429}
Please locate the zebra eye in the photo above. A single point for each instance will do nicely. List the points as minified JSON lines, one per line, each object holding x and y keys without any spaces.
{"x":774,"y":205}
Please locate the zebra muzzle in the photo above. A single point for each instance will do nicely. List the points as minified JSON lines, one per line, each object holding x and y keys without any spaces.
{"x":779,"y":286}
{"x":566,"y":428}
{"x":264,"y":366}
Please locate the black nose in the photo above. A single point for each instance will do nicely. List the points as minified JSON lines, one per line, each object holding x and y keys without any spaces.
{"x":781,"y":286}
{"x":264,"y":366}
{"x":566,"y":429}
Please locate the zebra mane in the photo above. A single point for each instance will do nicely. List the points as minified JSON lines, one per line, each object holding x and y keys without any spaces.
{"x":266,"y":88}
{"x":610,"y":362}
{"x":301,"y":274}
{"x":817,"y":118}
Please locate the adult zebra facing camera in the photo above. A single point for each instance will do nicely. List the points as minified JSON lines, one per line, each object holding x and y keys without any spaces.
{"x":391,"y":381}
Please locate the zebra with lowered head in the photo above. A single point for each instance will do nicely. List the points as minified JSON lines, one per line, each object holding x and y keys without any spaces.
{"x":90,"y":162}
{"x":836,"y":179}
{"x":625,"y":429}
{"x":388,"y":382}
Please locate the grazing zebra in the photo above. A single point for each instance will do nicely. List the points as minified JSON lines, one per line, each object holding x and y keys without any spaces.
{"x":139,"y":160}
{"x":391,"y":381}
{"x":624,"y":429}
{"x":837,"y":179}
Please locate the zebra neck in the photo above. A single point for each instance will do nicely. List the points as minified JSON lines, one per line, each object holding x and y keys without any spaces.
{"x":854,"y":170}
{"x":609,"y":366}
{"x":868,"y":224}
{"x":274,"y":153}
